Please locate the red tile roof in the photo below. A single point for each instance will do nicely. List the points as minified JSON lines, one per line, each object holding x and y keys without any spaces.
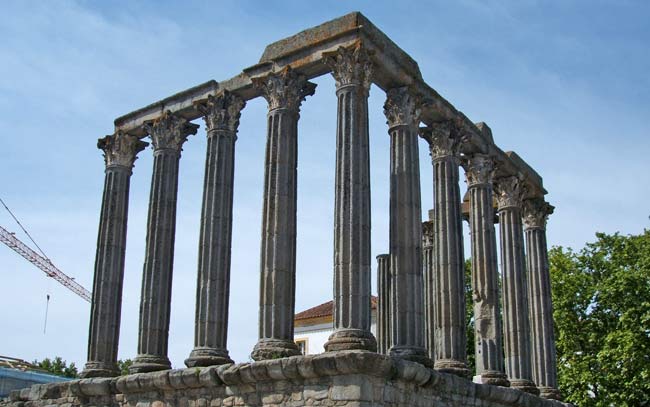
{"x":325,"y":310}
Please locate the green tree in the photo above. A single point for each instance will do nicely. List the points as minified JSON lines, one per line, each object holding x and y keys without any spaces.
{"x":601,"y":299}
{"x":469,"y":318}
{"x":123,"y":366}
{"x":58,"y":366}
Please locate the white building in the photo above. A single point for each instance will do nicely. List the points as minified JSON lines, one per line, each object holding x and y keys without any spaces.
{"x":314,"y":326}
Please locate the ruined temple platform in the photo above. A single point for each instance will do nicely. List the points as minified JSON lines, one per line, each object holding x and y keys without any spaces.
{"x":347,"y":378}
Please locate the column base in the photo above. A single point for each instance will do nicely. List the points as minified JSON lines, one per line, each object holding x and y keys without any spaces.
{"x":274,"y":349}
{"x":205,"y":356}
{"x":351,"y":339}
{"x":452,"y":366}
{"x":99,"y":369}
{"x":412,"y":353}
{"x":549,"y":393}
{"x":493,"y":378}
{"x":524,"y":385}
{"x":149,"y":363}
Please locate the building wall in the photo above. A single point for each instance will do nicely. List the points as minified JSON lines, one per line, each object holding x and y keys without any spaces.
{"x":315,"y":336}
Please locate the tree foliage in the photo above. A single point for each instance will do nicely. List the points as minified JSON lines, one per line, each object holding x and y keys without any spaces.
{"x":58,"y":367}
{"x":123,"y":366}
{"x":601,"y":299}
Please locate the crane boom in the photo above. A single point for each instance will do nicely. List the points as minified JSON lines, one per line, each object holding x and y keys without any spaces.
{"x":42,"y":263}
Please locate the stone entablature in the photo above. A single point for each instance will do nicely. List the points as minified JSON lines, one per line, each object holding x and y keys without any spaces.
{"x":349,"y":378}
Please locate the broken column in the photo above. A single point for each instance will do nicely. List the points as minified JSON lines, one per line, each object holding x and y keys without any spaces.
{"x":284,"y":91}
{"x":221,"y":115}
{"x":488,"y":345}
{"x":516,"y":337}
{"x":540,"y":307}
{"x":407,"y":321}
{"x":120,"y":152}
{"x":352,"y":71}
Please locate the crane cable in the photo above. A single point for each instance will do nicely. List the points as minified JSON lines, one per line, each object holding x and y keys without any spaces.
{"x":47,"y":295}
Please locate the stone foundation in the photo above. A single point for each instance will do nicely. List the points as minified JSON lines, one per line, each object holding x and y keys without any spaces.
{"x":351,"y":378}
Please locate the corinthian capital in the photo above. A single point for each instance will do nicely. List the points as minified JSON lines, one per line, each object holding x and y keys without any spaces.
{"x":222,"y":112}
{"x":479,"y":169}
{"x":509,"y":192}
{"x":285,"y":89}
{"x":443,"y":139}
{"x":169,"y":131}
{"x":120,"y":149}
{"x":401,"y":107}
{"x":350,"y":66}
{"x":536,"y":213}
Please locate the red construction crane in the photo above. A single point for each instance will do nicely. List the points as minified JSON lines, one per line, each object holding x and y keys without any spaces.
{"x":42,"y":263}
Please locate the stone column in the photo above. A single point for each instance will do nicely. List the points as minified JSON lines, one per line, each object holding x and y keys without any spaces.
{"x":221,"y":115}
{"x":479,"y":171}
{"x":515,"y":302}
{"x":428,"y":274}
{"x":383,"y":304}
{"x":284,"y":92}
{"x":540,"y":308}
{"x":352,"y":71}
{"x":168,"y":133}
{"x":120,"y":152}
{"x":449,"y":288}
{"x":407,"y":325}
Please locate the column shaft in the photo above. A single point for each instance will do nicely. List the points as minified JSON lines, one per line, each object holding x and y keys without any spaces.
{"x":428,"y":265}
{"x":383,"y":304}
{"x":119,"y":152}
{"x":485,"y":277}
{"x":449,"y":281}
{"x":351,"y":69}
{"x":284,"y":92}
{"x":515,"y":301}
{"x":544,"y":362}
{"x":168,"y":133}
{"x":407,"y":325}
{"x":213,"y":281}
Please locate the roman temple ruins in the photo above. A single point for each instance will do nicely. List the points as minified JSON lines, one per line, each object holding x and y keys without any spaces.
{"x":419,"y":356}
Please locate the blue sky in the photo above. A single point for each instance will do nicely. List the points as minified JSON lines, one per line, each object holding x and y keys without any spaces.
{"x":564,"y":84}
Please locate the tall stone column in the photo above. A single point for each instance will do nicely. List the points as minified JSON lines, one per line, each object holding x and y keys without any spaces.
{"x":544,"y":361}
{"x":383,"y":304}
{"x":221,"y":115}
{"x":407,"y":325}
{"x":168,"y":133}
{"x":428,"y":265}
{"x":479,"y":171}
{"x":284,"y":92}
{"x":515,"y":302}
{"x":120,"y":152}
{"x":449,"y":288}
{"x":352,"y":71}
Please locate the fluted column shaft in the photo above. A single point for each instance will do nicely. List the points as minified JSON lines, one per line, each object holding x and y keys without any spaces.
{"x":284,"y":92}
{"x":515,"y":302}
{"x":544,"y":363}
{"x":168,"y":133}
{"x":221,"y":115}
{"x":428,"y":265}
{"x":485,"y":277}
{"x":449,"y":288}
{"x":120,"y":152}
{"x":383,"y":304}
{"x":352,"y":71}
{"x":407,"y":327}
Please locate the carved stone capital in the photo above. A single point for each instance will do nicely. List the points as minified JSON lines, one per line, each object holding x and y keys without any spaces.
{"x":350,"y":66}
{"x":169,"y":131}
{"x":479,"y":169}
{"x":222,"y":112}
{"x":121,"y":149}
{"x":443,"y":138}
{"x":285,"y":89}
{"x":536,"y":213}
{"x":509,"y":192}
{"x":402,"y":108}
